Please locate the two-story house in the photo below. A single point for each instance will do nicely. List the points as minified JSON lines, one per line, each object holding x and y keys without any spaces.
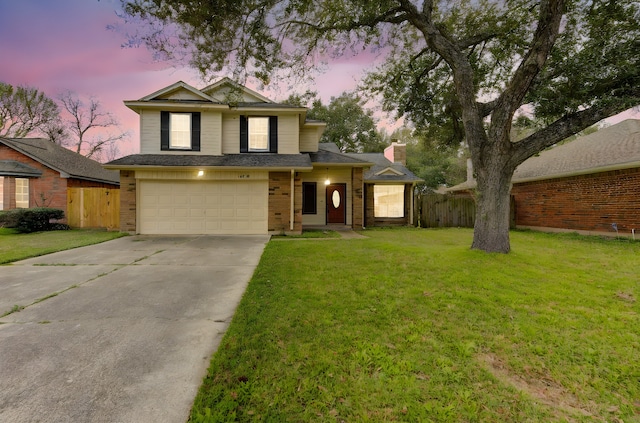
{"x":227,"y":160}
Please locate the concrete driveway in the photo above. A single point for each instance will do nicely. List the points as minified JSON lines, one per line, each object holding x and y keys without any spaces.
{"x":130,"y":333}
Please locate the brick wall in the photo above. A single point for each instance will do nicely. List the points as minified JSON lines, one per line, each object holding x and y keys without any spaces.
{"x":357,"y":198}
{"x":48,"y":190}
{"x":586,"y":202}
{"x":370,"y":220}
{"x":280,"y":203}
{"x":127,"y":201}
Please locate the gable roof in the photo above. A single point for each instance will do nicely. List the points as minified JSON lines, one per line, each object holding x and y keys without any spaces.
{"x":68,"y":163}
{"x":163,"y":92}
{"x":226,"y":82}
{"x":383,"y":170}
{"x":612,"y":148}
{"x":17,"y":169}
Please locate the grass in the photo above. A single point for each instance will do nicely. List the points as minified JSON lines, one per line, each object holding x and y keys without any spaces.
{"x":311,"y":233}
{"x":15,"y":246}
{"x":412,"y":325}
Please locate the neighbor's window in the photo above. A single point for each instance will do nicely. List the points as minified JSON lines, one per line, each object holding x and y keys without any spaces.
{"x":180,"y":130}
{"x":258,"y":133}
{"x":22,"y":193}
{"x":1,"y":192}
{"x":309,"y":198}
{"x":388,"y":200}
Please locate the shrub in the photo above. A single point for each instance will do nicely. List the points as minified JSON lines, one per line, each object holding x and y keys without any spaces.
{"x":33,"y":220}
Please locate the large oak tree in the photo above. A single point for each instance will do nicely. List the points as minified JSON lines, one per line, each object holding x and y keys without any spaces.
{"x":470,"y":66}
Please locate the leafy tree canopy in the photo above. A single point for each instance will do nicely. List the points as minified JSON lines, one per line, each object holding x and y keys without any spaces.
{"x":350,"y":125}
{"x":25,"y":110}
{"x":461,"y":69}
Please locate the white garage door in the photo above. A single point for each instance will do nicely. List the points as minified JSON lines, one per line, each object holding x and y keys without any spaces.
{"x":197,"y":207}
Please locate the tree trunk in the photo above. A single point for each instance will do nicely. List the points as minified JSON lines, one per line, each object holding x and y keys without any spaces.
{"x":493,"y":201}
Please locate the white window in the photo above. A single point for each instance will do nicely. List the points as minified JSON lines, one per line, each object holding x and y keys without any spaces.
{"x":388,"y":200}
{"x":180,"y":131}
{"x":258,"y":134}
{"x":22,"y":193}
{"x":1,"y":192}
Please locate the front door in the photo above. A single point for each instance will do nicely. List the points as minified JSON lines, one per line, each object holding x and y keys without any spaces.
{"x":336,"y":203}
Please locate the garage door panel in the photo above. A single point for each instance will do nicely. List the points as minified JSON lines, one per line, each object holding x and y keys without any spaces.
{"x":199,"y":207}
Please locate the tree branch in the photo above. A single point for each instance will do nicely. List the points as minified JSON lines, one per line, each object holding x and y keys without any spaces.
{"x":534,"y":59}
{"x":562,"y":128}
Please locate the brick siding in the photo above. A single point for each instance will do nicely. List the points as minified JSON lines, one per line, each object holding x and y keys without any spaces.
{"x":587,"y":202}
{"x":280,"y":203}
{"x":357,"y":198}
{"x":128,"y":201}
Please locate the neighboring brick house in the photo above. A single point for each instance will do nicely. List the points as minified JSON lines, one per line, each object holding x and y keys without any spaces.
{"x":35,"y":172}
{"x":588,"y":185}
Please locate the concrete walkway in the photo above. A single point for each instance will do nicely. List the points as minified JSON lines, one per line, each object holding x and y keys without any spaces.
{"x":121,"y":331}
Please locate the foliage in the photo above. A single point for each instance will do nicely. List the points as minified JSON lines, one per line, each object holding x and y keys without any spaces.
{"x":437,"y":164}
{"x":85,"y":118}
{"x":33,"y":220}
{"x":350,"y":125}
{"x":412,"y":325}
{"x":460,"y":70}
{"x":24,"y":110}
{"x":19,"y":246}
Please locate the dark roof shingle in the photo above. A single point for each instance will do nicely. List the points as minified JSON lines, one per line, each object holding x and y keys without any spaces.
{"x":255,"y":160}
{"x":62,"y":160}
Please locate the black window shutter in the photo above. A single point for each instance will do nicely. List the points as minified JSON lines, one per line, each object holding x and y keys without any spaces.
{"x":244,"y":134}
{"x":164,"y":130}
{"x":195,"y":131}
{"x":273,"y":134}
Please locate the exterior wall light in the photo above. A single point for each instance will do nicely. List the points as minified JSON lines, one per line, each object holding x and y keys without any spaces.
{"x":200,"y":173}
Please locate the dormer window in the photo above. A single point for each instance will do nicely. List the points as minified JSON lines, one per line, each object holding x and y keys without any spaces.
{"x":180,"y":131}
{"x":258,"y":134}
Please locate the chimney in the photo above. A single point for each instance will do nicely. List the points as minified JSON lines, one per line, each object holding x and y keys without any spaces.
{"x":396,"y":152}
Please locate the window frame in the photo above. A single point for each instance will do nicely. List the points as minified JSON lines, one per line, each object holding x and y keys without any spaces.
{"x":23,"y":185}
{"x":377,"y":206}
{"x":306,"y":207}
{"x":179,"y":134}
{"x":263,"y":132}
{"x":272,"y":134}
{"x":166,"y":132}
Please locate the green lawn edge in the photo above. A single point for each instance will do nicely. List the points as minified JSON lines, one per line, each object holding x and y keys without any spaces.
{"x":16,"y":246}
{"x":413,"y":325}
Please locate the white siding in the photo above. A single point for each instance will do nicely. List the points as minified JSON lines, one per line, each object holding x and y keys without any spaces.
{"x":149,"y":132}
{"x":210,"y":133}
{"x":309,"y":138}
{"x":231,"y":134}
{"x":288,"y":134}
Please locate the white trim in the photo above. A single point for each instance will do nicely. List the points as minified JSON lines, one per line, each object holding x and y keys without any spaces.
{"x":387,"y":169}
{"x":174,"y":87}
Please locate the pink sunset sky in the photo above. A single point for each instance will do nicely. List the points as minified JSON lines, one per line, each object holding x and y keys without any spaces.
{"x":60,"y":45}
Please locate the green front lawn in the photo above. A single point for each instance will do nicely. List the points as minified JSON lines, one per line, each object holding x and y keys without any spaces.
{"x":15,"y":246}
{"x":411,"y":325}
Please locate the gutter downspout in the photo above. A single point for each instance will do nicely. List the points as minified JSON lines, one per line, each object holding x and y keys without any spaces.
{"x":291,"y":213}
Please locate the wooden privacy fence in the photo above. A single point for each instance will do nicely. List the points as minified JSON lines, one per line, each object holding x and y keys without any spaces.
{"x":93,"y":208}
{"x":446,"y":211}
